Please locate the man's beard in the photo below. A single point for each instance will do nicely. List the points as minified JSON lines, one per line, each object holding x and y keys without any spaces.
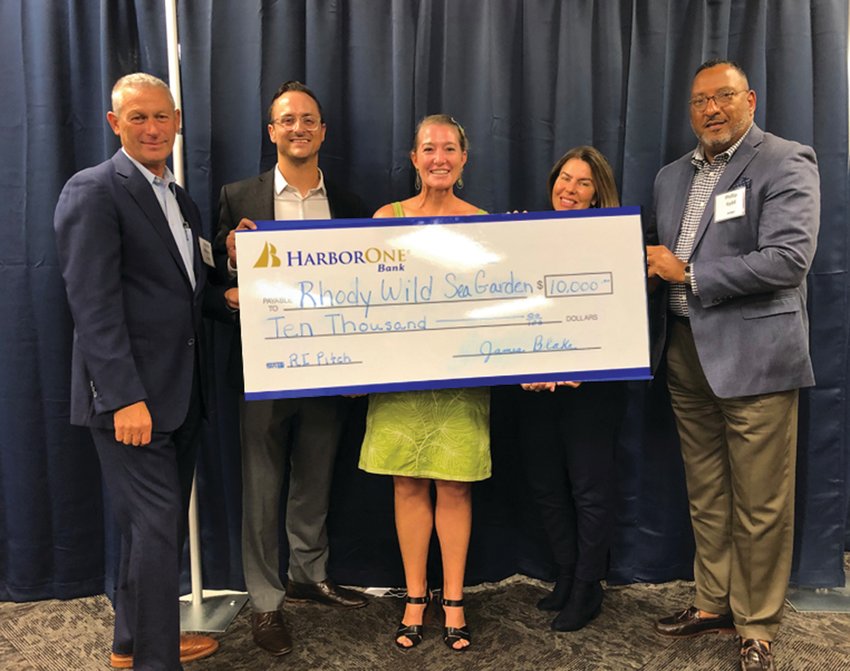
{"x":722,"y":143}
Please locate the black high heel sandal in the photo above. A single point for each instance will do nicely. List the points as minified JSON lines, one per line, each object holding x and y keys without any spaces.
{"x":413,"y":632}
{"x":452,"y":635}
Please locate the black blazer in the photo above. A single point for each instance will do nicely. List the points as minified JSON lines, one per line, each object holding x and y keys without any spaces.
{"x":253,"y":199}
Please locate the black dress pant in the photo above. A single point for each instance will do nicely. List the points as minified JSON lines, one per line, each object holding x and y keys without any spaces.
{"x":568,"y":439}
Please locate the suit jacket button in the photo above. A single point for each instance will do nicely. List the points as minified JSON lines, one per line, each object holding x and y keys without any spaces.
{"x":190,"y":342}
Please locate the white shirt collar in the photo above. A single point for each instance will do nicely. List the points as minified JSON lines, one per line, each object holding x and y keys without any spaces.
{"x":280,"y":183}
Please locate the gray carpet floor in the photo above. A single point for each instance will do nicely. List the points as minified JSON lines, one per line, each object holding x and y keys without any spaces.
{"x":508,"y":631}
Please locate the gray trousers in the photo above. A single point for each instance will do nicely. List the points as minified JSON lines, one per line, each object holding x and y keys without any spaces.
{"x":266,"y":448}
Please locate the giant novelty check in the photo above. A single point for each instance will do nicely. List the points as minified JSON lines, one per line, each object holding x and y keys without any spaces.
{"x":364,"y":305}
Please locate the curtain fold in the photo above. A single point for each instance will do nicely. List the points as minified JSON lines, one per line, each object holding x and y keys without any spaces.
{"x":528,"y":80}
{"x":59,"y":61}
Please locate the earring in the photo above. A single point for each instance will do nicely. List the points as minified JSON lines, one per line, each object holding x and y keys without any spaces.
{"x":459,"y":183}
{"x":417,"y":182}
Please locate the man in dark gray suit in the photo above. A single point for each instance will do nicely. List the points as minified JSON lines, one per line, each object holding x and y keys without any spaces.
{"x":294,"y":189}
{"x":736,"y":224}
{"x":133,"y":262}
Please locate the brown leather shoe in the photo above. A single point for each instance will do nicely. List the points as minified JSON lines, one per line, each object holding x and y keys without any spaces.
{"x":270,"y":633}
{"x":325,"y":592}
{"x":756,"y":656}
{"x":689,"y":623}
{"x":119,"y":661}
{"x":192,"y":647}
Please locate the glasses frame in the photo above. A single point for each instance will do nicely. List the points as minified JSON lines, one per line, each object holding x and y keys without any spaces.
{"x":290,"y":124}
{"x":699,"y":103}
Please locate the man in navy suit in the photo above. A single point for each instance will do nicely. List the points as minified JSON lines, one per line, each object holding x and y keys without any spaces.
{"x":294,"y":189}
{"x":736,"y":223}
{"x":130,"y":252}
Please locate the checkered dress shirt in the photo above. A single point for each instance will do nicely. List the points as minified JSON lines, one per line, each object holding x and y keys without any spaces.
{"x":706,"y":176}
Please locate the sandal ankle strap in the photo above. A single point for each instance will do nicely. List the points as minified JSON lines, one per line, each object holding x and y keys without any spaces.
{"x":452,"y":603}
{"x":417,"y":600}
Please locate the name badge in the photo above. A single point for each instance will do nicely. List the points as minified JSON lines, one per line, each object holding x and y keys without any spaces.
{"x":730,"y":205}
{"x":206,"y":252}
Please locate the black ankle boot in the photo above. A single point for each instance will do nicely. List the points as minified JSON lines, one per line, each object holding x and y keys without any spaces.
{"x":557,"y":598}
{"x":584,"y":604}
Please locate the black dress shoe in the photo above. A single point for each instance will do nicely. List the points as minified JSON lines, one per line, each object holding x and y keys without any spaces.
{"x":557,"y":598}
{"x":583,"y":605}
{"x":325,"y":592}
{"x":270,"y":633}
{"x":756,"y":656}
{"x":689,"y":623}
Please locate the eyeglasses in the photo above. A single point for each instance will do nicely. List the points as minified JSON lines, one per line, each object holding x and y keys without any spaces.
{"x":307,"y":122}
{"x":721,"y":99}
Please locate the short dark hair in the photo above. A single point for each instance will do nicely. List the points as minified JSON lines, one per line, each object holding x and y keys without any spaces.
{"x":714,"y":62}
{"x":294,"y":85}
{"x":603,"y":176}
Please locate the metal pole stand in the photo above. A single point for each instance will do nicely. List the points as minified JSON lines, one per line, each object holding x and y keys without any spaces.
{"x":820,"y":599}
{"x":215,"y":610}
{"x":205,"y":610}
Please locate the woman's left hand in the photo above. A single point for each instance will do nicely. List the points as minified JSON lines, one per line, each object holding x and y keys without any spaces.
{"x":549,"y":386}
{"x":539,"y":386}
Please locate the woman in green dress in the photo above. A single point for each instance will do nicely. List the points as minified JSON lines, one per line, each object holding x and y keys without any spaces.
{"x":436,"y":435}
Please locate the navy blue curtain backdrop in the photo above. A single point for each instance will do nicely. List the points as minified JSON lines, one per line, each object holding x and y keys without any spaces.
{"x":528,"y":79}
{"x":58,"y":62}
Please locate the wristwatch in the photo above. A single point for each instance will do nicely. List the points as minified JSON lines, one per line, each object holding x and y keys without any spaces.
{"x":688,"y":276}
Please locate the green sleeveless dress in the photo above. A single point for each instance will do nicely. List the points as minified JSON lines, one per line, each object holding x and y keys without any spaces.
{"x":441,"y":434}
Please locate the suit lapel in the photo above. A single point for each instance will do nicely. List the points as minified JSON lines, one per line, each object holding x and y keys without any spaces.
{"x":332,"y":204}
{"x":683,"y":177}
{"x":142,"y":193}
{"x":263,"y":197}
{"x":740,"y":160}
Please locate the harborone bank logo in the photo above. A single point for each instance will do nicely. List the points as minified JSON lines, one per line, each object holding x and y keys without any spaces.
{"x":383,"y":260}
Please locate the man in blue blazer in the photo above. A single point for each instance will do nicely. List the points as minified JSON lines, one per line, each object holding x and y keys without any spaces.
{"x":735,"y":230}
{"x":129,"y":250}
